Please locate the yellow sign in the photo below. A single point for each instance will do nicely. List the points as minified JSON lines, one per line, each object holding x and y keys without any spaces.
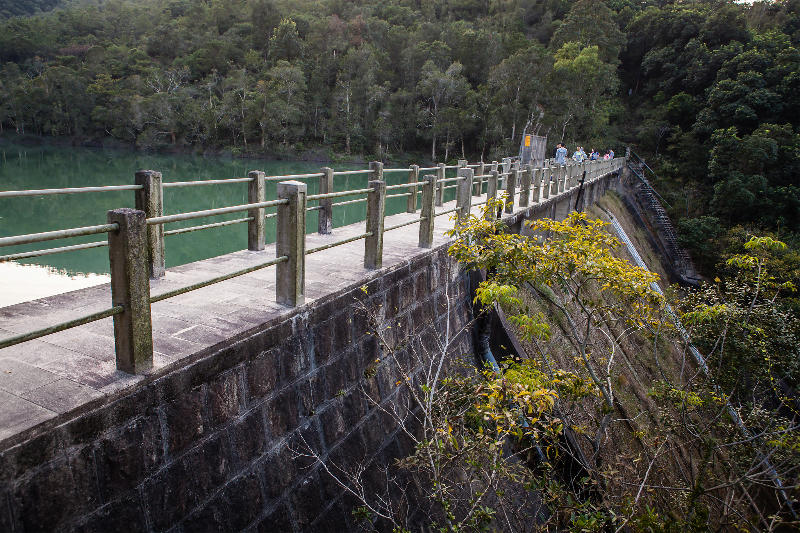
{"x":527,"y":140}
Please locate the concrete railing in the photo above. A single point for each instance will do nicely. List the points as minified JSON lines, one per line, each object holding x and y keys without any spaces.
{"x":136,"y":236}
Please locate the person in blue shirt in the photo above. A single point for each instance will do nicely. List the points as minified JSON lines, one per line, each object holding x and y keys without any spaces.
{"x":561,"y":154}
{"x":579,"y":155}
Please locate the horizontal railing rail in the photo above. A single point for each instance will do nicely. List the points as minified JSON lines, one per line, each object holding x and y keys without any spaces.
{"x":74,"y":190}
{"x":339,"y":243}
{"x":208,"y":226}
{"x":212,"y":212}
{"x":69,"y":324}
{"x":339,"y":194}
{"x":58,"y":234}
{"x":169,"y":184}
{"x":51,"y":251}
{"x":218,"y":279}
{"x":136,"y":236}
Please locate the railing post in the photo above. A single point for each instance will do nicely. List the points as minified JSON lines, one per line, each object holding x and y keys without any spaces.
{"x":525,"y":186}
{"x":377,"y":168}
{"x":554,"y":180}
{"x":536,"y":181}
{"x":150,"y":199}
{"x":325,"y":225}
{"x":511,"y":186}
{"x":506,"y":164}
{"x":464,"y":192}
{"x":290,"y":241}
{"x":376,"y":208}
{"x":479,"y":183}
{"x":256,"y":192}
{"x":130,"y":288}
{"x":439,"y":185}
{"x":562,"y":174}
{"x":413,"y":177}
{"x":428,"y":212}
{"x":491,"y":192}
{"x":568,"y":177}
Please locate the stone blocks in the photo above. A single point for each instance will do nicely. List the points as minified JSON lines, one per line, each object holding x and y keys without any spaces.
{"x":236,"y":439}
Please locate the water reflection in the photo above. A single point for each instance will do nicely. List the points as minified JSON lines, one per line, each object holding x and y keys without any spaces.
{"x":22,"y":283}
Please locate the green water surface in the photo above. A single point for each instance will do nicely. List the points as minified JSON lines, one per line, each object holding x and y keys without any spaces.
{"x":47,"y":167}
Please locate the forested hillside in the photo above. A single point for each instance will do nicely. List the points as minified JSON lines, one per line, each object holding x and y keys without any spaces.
{"x":381,"y":78}
{"x":18,"y":8}
{"x":708,"y":92}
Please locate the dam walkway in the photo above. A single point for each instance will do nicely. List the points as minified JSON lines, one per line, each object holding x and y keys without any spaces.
{"x":44,"y":380}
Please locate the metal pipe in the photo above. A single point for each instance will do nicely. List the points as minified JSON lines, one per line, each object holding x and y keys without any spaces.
{"x":293,"y":176}
{"x":398,"y":195}
{"x":212,"y":212}
{"x":11,"y":341}
{"x":337,"y":194}
{"x":203,"y":182}
{"x":200,"y":285}
{"x":349,"y":202}
{"x":207,"y":226}
{"x":59,"y":234}
{"x":47,"y":192}
{"x":345,"y":172}
{"x":337,"y":243}
{"x":448,"y":211}
{"x":50,"y":251}
{"x":416,"y":220}
{"x":401,"y":186}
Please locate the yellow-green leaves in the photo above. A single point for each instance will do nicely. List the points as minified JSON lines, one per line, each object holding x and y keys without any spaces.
{"x":704,"y":313}
{"x":764,"y":244}
{"x":532,"y":327}
{"x":577,"y":255}
{"x":490,"y":292}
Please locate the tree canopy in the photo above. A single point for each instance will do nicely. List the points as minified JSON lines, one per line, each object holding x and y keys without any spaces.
{"x":708,"y":92}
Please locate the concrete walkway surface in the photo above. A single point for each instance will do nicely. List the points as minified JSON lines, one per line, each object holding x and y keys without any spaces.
{"x":49,"y":376}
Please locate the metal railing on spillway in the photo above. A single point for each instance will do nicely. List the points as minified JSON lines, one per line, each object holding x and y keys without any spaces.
{"x":136,"y":236}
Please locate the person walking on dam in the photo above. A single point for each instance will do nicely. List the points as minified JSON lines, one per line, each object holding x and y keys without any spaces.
{"x":561,"y":154}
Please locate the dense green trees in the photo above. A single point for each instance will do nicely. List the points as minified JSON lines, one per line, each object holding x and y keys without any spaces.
{"x":279,"y":76}
{"x":18,"y":8}
{"x":708,"y":92}
{"x":714,"y":90}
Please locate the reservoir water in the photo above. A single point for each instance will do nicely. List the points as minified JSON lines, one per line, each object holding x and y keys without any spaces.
{"x":47,"y":167}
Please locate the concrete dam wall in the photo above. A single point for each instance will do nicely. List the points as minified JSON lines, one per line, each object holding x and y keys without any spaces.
{"x":223,"y":443}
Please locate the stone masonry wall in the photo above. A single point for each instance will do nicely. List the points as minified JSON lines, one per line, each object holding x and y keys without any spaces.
{"x":216,"y":444}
